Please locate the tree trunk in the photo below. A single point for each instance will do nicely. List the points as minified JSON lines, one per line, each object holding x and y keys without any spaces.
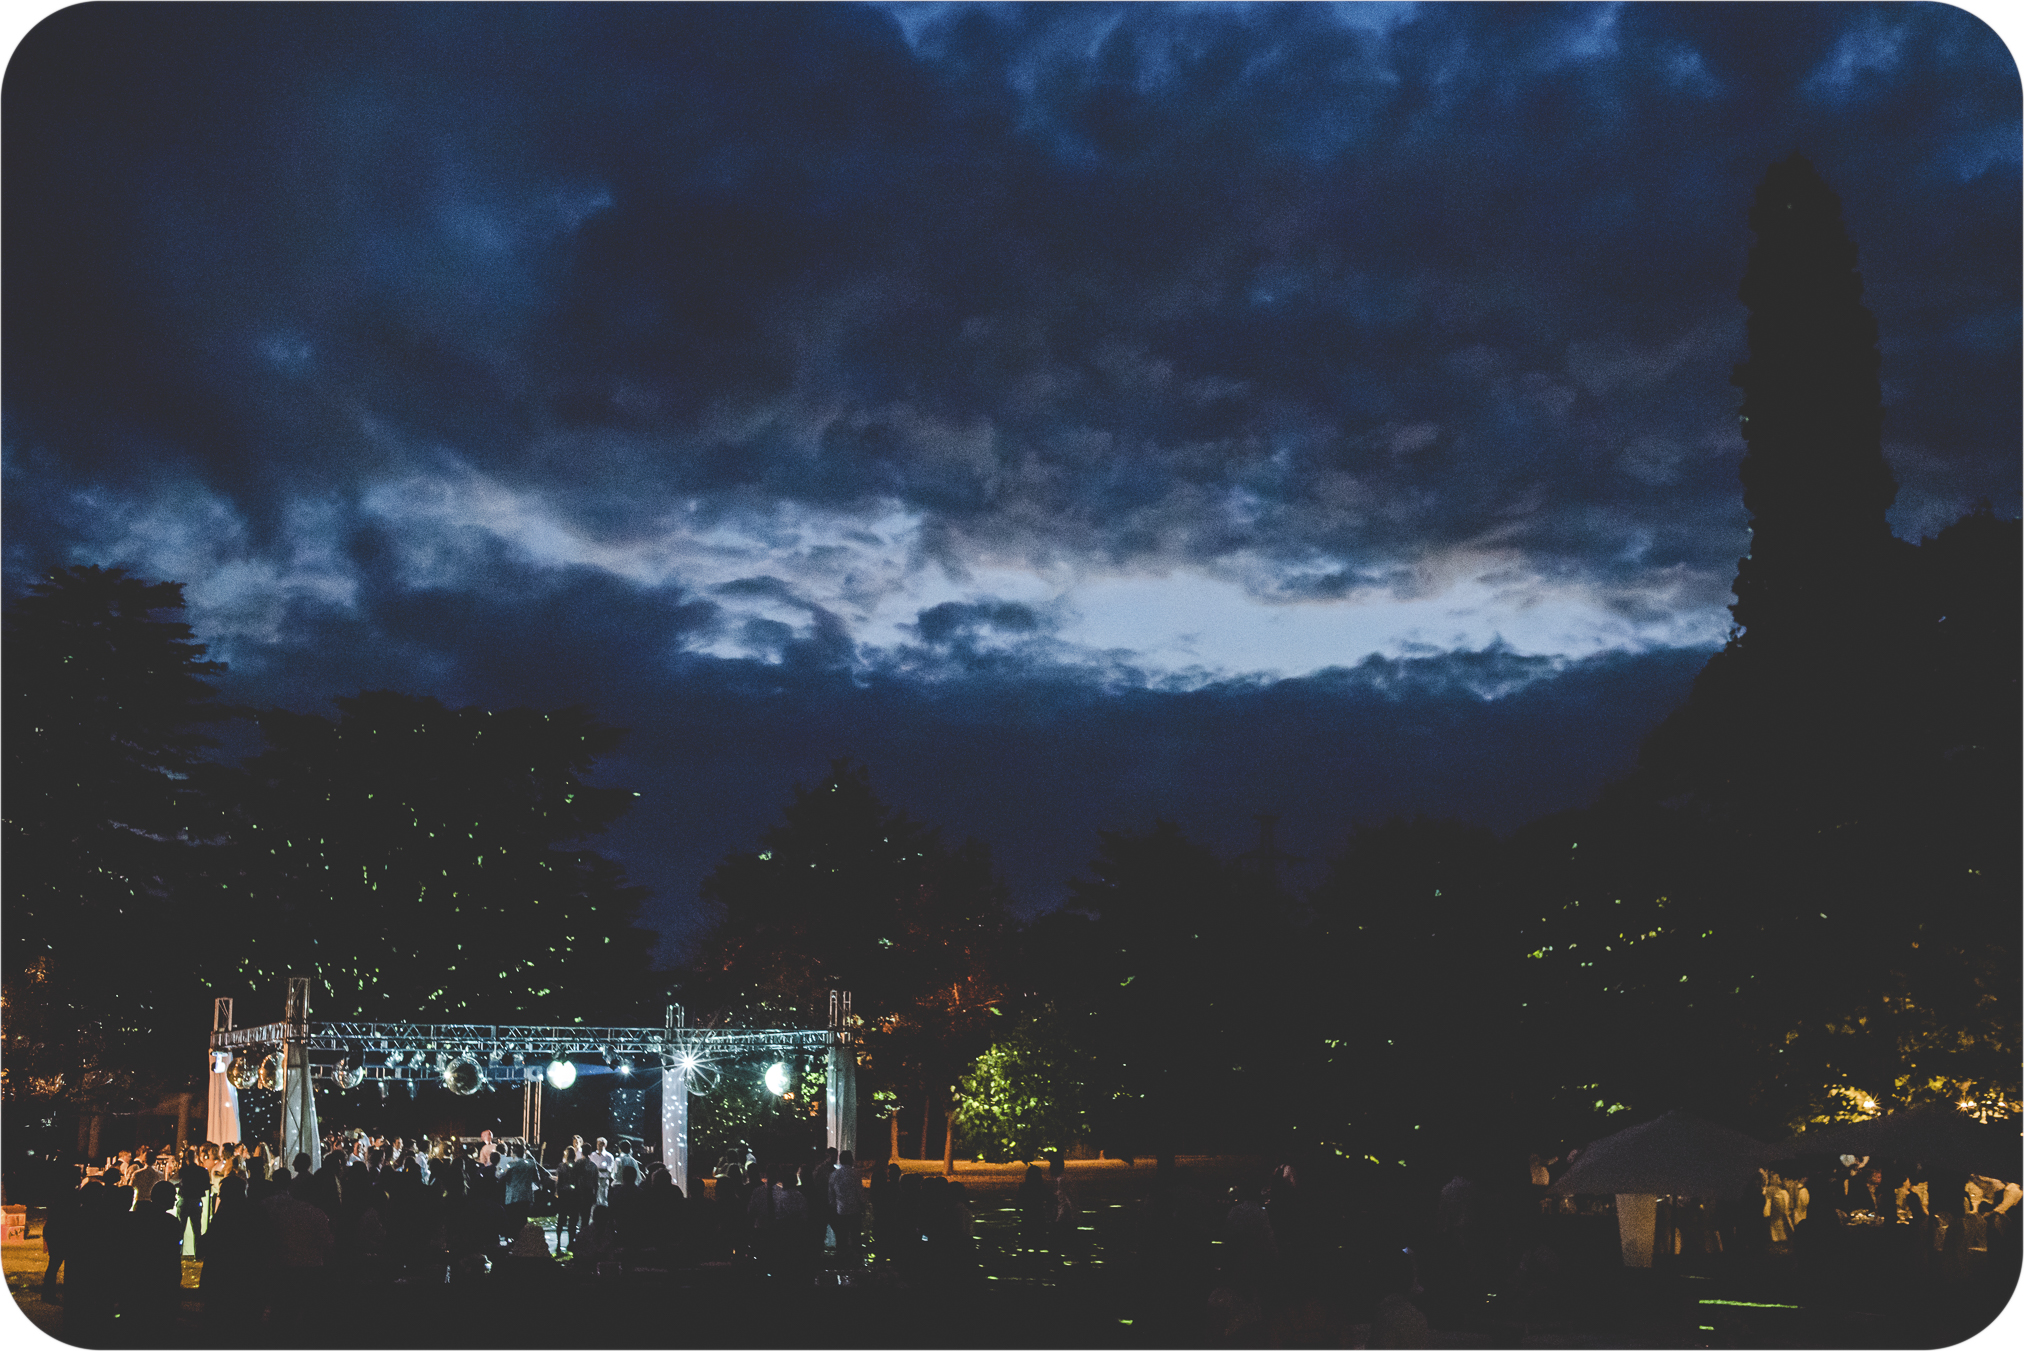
{"x":893,"y":1153}
{"x":949,"y":1143}
{"x":927,"y":1119}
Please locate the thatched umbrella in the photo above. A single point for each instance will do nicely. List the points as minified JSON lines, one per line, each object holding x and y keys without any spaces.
{"x":1675,"y":1155}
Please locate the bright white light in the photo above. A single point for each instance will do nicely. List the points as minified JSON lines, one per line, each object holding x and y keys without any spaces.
{"x":776,"y":1078}
{"x":625,"y":1069}
{"x":689,"y":1061}
{"x":561,"y":1074}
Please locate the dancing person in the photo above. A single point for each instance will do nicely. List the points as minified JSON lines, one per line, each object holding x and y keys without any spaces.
{"x":518,"y":1176}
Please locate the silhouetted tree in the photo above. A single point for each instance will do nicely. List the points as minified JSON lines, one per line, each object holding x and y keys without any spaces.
{"x":1814,"y":477}
{"x":1815,"y":867}
{"x":847,"y":893}
{"x":108,"y":807}
{"x":428,"y":863}
{"x":1805,"y":711}
{"x":1417,"y":1006}
{"x":1179,"y":990}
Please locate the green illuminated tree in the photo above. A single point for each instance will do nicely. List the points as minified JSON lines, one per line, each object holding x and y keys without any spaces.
{"x":1025,"y":1096}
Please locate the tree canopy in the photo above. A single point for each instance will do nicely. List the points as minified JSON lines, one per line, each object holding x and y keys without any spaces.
{"x":430,"y":863}
{"x":108,"y":696}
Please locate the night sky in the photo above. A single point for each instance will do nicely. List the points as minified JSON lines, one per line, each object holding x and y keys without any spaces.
{"x":1077,"y":414}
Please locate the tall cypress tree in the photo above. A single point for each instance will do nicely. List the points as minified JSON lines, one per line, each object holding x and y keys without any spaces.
{"x":1808,"y":703}
{"x":1814,"y":477}
{"x":1829,"y":823}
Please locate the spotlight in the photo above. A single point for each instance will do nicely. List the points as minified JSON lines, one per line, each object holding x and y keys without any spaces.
{"x":776,"y":1078}
{"x":688,"y":1061}
{"x":624,"y":1067}
{"x":560,"y":1074}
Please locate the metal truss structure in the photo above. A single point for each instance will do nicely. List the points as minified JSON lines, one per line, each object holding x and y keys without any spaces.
{"x":346,"y":1055}
{"x":401,"y":1051}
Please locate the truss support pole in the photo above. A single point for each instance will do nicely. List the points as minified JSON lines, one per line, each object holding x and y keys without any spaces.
{"x":841,"y":1091}
{"x":299,"y":1134}
{"x":675,"y":1106}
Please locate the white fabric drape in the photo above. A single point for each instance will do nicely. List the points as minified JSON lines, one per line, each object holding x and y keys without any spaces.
{"x":1637,"y":1217}
{"x":675,"y":1123}
{"x":221,"y":1120}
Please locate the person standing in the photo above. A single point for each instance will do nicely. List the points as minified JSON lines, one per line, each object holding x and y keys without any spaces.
{"x":846,"y":1209}
{"x":153,"y":1281}
{"x":91,"y":1264}
{"x":576,"y":1192}
{"x":1254,"y":1244}
{"x":56,"y":1229}
{"x":518,"y":1176}
{"x":821,"y":1217}
{"x":193,"y":1187}
{"x":601,"y":1159}
{"x":238,"y":1249}
{"x":1067,"y":1209}
{"x":1036,"y":1208}
{"x":625,"y":1169}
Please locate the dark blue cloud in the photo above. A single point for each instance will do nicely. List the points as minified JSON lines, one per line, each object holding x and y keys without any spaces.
{"x":953,"y":621}
{"x":717,"y":364}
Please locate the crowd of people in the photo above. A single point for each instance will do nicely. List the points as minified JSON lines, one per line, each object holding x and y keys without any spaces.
{"x":278,"y":1241}
{"x":1907,"y":1220}
{"x":1266,"y":1257}
{"x":271,"y":1236}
